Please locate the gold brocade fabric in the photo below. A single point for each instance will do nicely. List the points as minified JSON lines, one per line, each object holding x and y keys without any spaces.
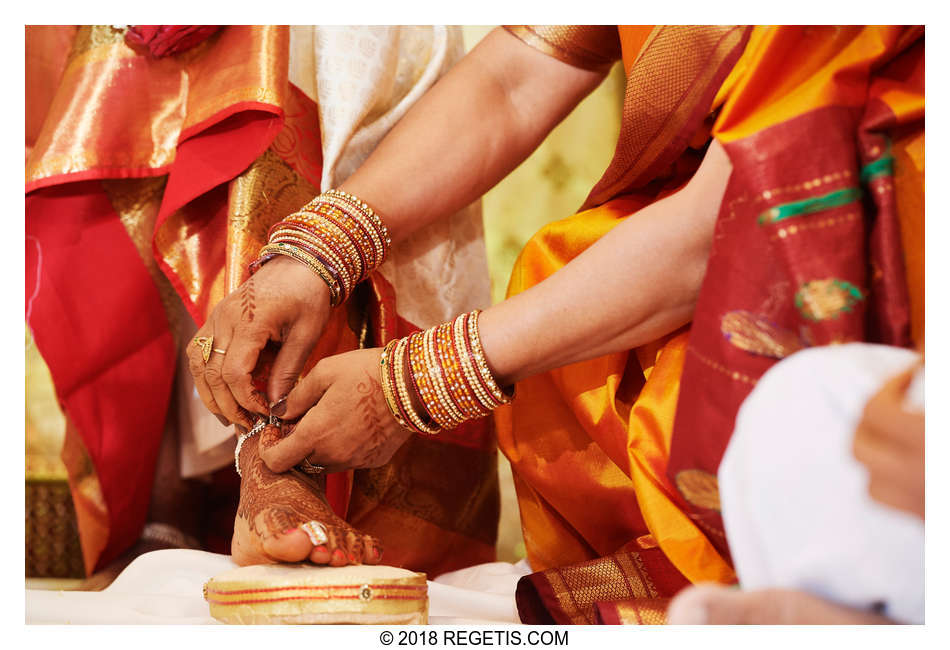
{"x":669,"y":85}
{"x":132,"y":125}
{"x":592,"y":47}
{"x":642,"y":611}
{"x":672,"y":72}
{"x":618,"y":588}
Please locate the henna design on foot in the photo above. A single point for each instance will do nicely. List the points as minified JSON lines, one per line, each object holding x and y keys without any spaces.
{"x":271,"y":510}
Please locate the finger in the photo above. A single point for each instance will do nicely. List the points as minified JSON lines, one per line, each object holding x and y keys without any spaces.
{"x":308,"y":390}
{"x":238,"y":364}
{"x":887,"y":468}
{"x":290,"y":361}
{"x":295,"y":445}
{"x":196,"y":366}
{"x":886,"y":407}
{"x":219,"y":389}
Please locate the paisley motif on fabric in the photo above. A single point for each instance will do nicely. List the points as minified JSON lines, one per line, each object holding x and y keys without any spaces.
{"x":828,"y":298}
{"x":755,"y":334}
{"x":698,"y":487}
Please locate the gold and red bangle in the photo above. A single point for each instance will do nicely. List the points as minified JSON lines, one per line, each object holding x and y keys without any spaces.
{"x":315,"y":245}
{"x":387,"y":381}
{"x":437,"y":376}
{"x":366,"y":211}
{"x":270,"y":250}
{"x":472,"y":378}
{"x":359,"y":245}
{"x":345,"y":250}
{"x":484,"y":372}
{"x":458,"y":387}
{"x":355,"y":224}
{"x":420,"y":377}
{"x":359,"y":226}
{"x":328,"y":258}
{"x":324,"y":218}
{"x":398,"y":370}
{"x":445,"y":367}
{"x":337,"y":236}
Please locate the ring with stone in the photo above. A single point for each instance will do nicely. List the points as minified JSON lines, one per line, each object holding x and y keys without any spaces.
{"x":204,"y":344}
{"x":316,"y":531}
{"x":307,"y":467}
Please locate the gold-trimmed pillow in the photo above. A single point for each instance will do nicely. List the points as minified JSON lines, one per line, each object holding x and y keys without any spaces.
{"x":303,"y":593}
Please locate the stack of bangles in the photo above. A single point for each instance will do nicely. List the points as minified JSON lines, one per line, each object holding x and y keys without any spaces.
{"x":336,"y":236}
{"x":445,"y":369}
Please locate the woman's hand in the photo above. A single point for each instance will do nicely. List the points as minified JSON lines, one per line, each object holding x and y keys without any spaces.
{"x":348,"y":424}
{"x":284,"y":302}
{"x":889,"y":441}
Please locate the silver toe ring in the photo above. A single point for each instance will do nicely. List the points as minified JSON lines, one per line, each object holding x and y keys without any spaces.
{"x":316,"y":531}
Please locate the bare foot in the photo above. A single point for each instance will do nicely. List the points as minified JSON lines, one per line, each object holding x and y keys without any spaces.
{"x":267,"y":529}
{"x":709,"y":604}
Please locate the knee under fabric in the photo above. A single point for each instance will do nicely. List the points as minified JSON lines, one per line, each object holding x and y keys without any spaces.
{"x":795,"y":502}
{"x":302,"y":594}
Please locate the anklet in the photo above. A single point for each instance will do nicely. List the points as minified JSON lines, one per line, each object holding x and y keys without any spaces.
{"x":256,"y":429}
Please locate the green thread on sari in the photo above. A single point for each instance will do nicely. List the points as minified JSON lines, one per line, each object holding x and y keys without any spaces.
{"x":883,"y":166}
{"x":809,"y":206}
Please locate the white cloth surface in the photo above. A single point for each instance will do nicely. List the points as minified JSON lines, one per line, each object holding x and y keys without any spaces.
{"x":794,"y":500}
{"x":165,"y":587}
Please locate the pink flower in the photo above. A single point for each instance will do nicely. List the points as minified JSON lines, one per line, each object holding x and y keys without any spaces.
{"x":165,"y":40}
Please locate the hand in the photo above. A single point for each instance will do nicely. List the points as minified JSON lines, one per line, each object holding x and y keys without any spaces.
{"x":350,"y":425}
{"x":889,"y":441}
{"x":284,"y":302}
{"x":713,"y":604}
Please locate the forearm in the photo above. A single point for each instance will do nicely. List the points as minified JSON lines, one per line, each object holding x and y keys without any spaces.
{"x":468,"y":132}
{"x":635,"y":284}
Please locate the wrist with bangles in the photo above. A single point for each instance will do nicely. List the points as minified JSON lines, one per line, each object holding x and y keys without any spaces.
{"x":337,"y":236}
{"x":445,"y":369}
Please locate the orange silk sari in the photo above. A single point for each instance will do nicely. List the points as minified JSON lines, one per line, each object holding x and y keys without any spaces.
{"x":619,"y":508}
{"x":153,"y":181}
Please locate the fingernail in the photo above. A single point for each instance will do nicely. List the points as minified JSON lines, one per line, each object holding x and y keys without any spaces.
{"x":352,"y":558}
{"x":339,"y":555}
{"x":376,"y":553}
{"x":279,"y":407}
{"x":223,"y":420}
{"x":321,"y":548}
{"x":288,"y":531}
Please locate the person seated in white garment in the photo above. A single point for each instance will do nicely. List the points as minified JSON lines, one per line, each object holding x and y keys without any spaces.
{"x":823,"y":503}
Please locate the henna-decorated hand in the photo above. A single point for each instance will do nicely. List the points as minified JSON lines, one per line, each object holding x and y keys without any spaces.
{"x":284,"y":302}
{"x":348,"y":424}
